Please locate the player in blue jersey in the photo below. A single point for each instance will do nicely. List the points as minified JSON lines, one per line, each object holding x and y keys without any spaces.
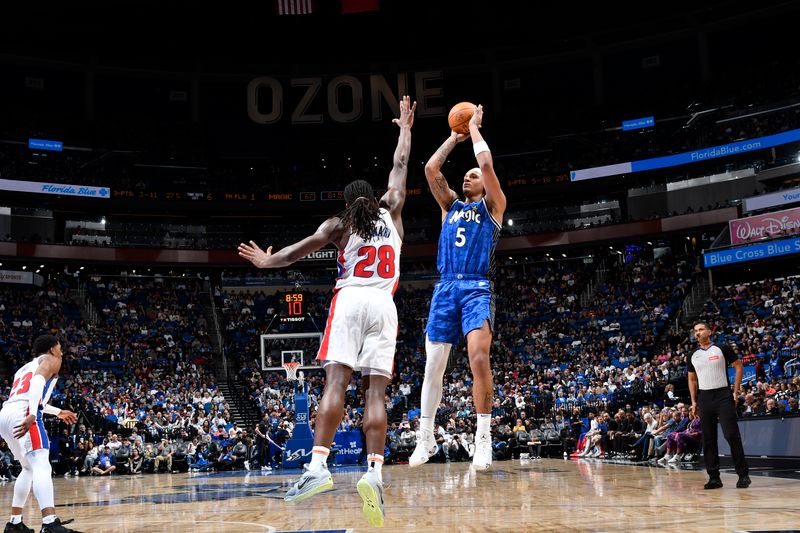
{"x":463,"y":302}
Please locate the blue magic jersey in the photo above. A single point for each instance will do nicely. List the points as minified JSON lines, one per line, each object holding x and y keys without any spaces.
{"x":468,"y":239}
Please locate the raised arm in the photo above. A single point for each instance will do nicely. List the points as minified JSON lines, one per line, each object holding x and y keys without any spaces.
{"x":395,"y":195}
{"x":495,"y":198}
{"x":328,"y":232}
{"x":445,"y":196}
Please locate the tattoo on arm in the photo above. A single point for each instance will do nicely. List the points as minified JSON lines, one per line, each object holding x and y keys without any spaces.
{"x":444,"y":150}
{"x":441,"y":188}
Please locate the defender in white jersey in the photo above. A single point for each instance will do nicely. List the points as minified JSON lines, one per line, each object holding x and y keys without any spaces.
{"x":362,"y":324}
{"x":361,"y":331}
{"x":22,"y":428}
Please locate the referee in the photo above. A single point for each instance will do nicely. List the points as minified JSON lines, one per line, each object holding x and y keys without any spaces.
{"x":708,"y":370}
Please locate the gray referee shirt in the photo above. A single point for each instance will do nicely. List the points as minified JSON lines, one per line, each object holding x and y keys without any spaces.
{"x":711,"y":366}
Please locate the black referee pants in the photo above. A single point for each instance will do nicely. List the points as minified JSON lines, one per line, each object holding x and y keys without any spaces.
{"x":713,"y":405}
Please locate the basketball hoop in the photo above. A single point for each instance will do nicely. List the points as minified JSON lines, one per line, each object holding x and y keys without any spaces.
{"x":291,"y":370}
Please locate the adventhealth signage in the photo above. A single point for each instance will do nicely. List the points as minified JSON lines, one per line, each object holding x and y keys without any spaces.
{"x":752,"y":252}
{"x":85,"y":191}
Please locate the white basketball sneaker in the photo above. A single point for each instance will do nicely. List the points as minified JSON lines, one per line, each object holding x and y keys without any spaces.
{"x":370,"y":488}
{"x":426,"y":448}
{"x":310,"y":483}
{"x":482,"y":459}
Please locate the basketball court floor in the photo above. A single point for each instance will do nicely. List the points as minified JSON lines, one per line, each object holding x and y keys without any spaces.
{"x":518,"y":496}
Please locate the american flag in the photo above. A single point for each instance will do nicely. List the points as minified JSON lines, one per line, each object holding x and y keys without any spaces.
{"x":295,"y":7}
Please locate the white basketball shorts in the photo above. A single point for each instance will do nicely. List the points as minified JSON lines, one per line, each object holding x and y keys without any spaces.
{"x":11,"y":415}
{"x":361,"y":331}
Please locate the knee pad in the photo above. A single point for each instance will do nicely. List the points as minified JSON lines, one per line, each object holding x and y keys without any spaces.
{"x":437,"y":354}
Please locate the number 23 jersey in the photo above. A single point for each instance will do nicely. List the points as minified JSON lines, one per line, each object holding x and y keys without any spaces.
{"x":21,"y":384}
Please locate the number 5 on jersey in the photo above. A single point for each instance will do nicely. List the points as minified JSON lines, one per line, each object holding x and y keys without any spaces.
{"x":461,"y":238}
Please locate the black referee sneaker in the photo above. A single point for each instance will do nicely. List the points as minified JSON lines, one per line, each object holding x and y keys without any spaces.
{"x":708,"y":369}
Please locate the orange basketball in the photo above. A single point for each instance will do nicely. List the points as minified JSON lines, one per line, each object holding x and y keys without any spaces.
{"x":460,"y":115}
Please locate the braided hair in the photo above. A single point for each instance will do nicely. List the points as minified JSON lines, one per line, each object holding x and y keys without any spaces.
{"x":362,"y":211}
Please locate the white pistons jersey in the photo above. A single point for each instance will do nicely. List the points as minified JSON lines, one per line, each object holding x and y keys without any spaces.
{"x":373,"y":262}
{"x":22,"y":383}
{"x":15,"y":409}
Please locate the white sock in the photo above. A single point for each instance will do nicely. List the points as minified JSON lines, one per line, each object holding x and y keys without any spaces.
{"x":375,"y":463}
{"x":483,"y":425}
{"x":49,"y":519}
{"x":16,"y":518}
{"x":319,"y":457}
{"x":426,"y":424}
{"x":436,"y":354}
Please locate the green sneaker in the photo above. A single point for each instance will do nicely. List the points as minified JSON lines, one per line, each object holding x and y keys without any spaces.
{"x":370,"y":488}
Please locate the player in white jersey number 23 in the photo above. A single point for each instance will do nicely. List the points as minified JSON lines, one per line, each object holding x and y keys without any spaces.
{"x":22,"y":428}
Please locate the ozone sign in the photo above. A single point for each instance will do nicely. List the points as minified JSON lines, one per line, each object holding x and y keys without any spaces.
{"x":752,"y":252}
{"x":749,"y":229}
{"x":344,"y":96}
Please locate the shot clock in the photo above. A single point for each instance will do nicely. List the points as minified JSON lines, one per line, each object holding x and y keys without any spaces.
{"x":293,"y":306}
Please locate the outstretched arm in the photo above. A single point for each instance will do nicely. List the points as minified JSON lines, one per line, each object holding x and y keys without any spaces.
{"x":445,"y":196}
{"x":67,"y":416}
{"x":495,"y":198}
{"x":395,"y":195}
{"x":326,"y":233}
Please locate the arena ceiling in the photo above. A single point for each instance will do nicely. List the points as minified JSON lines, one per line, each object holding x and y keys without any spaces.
{"x":231,"y":37}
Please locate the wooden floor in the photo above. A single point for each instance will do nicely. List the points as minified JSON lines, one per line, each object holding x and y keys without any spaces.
{"x":546,"y":495}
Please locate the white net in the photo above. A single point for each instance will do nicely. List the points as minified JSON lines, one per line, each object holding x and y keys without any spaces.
{"x":291,"y":370}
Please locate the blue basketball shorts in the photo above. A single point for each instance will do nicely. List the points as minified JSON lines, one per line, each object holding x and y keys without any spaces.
{"x":459,"y":306}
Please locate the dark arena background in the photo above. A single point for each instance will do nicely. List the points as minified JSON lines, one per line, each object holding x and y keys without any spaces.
{"x":650,"y":156}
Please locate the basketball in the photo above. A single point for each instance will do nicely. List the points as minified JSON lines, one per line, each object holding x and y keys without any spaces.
{"x":459,"y":116}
